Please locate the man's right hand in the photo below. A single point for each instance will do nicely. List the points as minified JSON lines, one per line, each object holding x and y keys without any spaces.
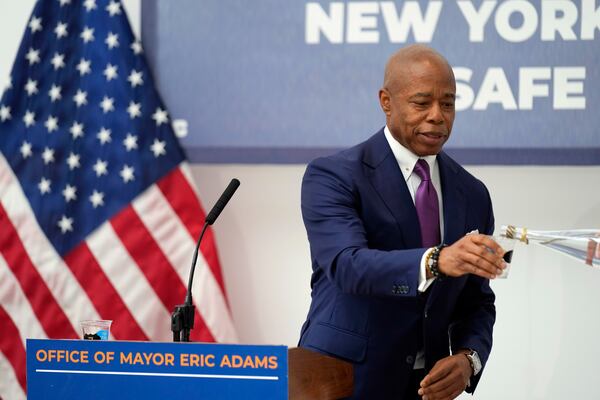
{"x":473,"y":254}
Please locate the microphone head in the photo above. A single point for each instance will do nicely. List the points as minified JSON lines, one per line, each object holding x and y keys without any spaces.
{"x":222,"y":202}
{"x":235,"y":183}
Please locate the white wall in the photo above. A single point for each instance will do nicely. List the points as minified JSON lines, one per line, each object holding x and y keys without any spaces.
{"x":547,"y":335}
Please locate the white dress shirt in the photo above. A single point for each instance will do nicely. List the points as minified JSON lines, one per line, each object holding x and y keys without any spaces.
{"x":406,"y":162}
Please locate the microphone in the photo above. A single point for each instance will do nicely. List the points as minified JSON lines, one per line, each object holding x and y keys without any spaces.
{"x":182,"y":318}
{"x":222,"y":202}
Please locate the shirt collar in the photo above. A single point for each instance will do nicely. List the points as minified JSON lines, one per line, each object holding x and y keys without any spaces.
{"x":406,"y":159}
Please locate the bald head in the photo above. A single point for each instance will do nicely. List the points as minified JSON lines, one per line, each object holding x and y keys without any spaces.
{"x":417,"y":97}
{"x":407,"y":59}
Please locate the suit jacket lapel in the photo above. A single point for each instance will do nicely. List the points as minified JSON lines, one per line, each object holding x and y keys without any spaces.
{"x":387,"y":179}
{"x":455,"y":207}
{"x":455,"y":213}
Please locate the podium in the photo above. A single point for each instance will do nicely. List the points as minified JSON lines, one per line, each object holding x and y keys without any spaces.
{"x":65,"y":369}
{"x":318,"y":377}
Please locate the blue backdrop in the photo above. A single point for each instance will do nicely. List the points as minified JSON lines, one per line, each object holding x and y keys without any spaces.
{"x":273,"y":81}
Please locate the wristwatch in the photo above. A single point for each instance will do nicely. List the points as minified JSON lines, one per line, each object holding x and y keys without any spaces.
{"x":475,"y":362}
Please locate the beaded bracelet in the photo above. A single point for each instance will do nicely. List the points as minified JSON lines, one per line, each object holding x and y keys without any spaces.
{"x":432,"y":261}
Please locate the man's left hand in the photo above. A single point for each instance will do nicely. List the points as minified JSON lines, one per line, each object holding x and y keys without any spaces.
{"x":447,"y":379}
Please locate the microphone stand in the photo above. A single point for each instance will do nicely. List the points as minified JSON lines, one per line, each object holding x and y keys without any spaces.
{"x":182,"y":318}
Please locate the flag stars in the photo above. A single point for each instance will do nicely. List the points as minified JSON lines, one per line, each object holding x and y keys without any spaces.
{"x":80,"y":98}
{"x":48,"y":155}
{"x":135,"y":78}
{"x":73,"y":161}
{"x":31,"y":87}
{"x":5,"y":113}
{"x":35,"y":24}
{"x":51,"y":124}
{"x":26,"y":150}
{"x":127,"y":174}
{"x":54,"y":93}
{"x":107,"y":104}
{"x":29,"y":118}
{"x":97,"y":199}
{"x":112,"y":40}
{"x":113,"y":8}
{"x":61,"y":30}
{"x":90,"y":5}
{"x":110,"y":72}
{"x":65,"y":224}
{"x":160,"y":116}
{"x":76,"y":130}
{"x":104,"y":136}
{"x":136,"y":47}
{"x":33,"y":56}
{"x":87,"y":34}
{"x":8,"y":84}
{"x":69,"y":193}
{"x":101,"y":168}
{"x":44,"y":186}
{"x":64,"y":2}
{"x":134,"y":109}
{"x":130,"y":142}
{"x":158,"y":148}
{"x":84,"y":67}
{"x":58,"y":61}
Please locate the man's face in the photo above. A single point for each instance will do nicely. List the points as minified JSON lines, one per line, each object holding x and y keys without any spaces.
{"x":419,"y":105}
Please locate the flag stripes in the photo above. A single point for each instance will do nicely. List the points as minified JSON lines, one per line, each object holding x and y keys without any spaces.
{"x":13,"y":350}
{"x":147,"y":255}
{"x":16,"y":304}
{"x":123,"y":274}
{"x":44,"y":304}
{"x":102,"y":294}
{"x":10,"y":388}
{"x":51,"y":268}
{"x":156,"y":267}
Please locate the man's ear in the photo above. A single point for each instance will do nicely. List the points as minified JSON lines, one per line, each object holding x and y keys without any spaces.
{"x":384,"y":101}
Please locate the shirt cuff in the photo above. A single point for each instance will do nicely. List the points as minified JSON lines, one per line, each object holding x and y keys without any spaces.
{"x":424,"y":283}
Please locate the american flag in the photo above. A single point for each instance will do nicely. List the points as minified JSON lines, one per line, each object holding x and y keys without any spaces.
{"x":98,"y":210}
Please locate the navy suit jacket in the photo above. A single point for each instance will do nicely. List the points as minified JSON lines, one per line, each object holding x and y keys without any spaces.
{"x":365,"y":244}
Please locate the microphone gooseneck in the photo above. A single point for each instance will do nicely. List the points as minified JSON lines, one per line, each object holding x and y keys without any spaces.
{"x":182,"y":318}
{"x":188,"y":295}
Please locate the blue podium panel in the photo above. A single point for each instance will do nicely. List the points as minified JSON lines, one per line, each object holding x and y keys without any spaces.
{"x":84,"y":369}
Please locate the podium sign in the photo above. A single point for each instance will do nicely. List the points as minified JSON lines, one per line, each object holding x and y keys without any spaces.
{"x":85,"y":369}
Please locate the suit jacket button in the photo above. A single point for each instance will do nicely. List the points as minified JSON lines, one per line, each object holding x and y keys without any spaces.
{"x":410,"y":360}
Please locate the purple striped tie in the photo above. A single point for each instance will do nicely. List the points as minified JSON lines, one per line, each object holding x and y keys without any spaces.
{"x":428,"y":208}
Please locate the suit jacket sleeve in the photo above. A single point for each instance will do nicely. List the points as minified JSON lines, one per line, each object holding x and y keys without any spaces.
{"x":339,"y":244}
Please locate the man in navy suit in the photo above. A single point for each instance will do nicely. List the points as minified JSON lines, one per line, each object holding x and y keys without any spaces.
{"x":401,"y":261}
